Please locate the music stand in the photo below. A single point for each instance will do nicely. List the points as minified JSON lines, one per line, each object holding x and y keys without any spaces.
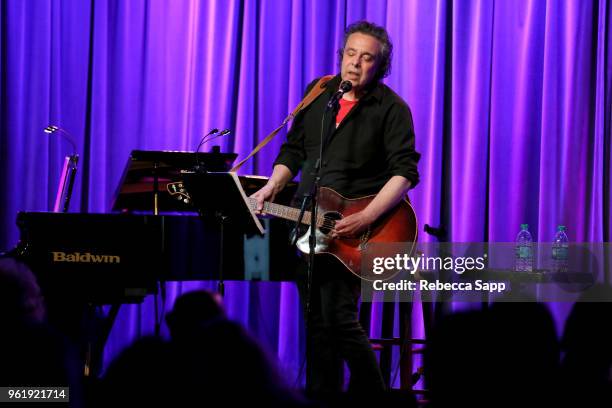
{"x":221,"y":194}
{"x":147,"y":175}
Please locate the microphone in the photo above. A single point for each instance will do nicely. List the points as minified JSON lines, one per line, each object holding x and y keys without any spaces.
{"x":222,"y":133}
{"x":345,"y":87}
{"x":203,"y":140}
{"x":52,"y":129}
{"x":199,"y":166}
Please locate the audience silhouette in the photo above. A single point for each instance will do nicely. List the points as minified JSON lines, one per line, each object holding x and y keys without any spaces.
{"x":505,"y":354}
{"x":31,"y":352}
{"x":586,"y":367}
{"x":208,"y":358}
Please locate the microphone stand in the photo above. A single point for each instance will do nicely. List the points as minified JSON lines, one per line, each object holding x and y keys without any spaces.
{"x":199,"y":168}
{"x":312,"y":195}
{"x":296,"y":228}
{"x":332,"y":106}
{"x":219,"y":215}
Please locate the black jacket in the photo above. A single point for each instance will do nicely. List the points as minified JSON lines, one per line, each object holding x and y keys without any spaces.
{"x":374,"y":142}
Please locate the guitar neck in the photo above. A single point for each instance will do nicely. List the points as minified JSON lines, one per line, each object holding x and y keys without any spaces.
{"x":284,"y":211}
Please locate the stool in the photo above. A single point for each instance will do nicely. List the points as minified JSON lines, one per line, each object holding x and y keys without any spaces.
{"x":408,"y":345}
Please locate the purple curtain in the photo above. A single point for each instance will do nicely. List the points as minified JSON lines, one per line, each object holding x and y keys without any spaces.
{"x":511,"y":103}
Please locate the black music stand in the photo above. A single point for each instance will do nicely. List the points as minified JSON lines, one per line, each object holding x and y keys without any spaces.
{"x":222,"y":196}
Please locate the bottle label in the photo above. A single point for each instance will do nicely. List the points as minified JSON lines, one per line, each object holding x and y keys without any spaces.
{"x":559,"y":253}
{"x":524,"y":252}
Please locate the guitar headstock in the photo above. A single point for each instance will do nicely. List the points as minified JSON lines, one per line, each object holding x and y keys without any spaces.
{"x":177,"y":189}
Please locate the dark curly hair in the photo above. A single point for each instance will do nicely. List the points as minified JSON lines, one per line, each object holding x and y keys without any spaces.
{"x":378,"y":32}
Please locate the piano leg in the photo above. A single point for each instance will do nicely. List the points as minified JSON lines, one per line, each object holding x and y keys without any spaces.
{"x":97,"y":332}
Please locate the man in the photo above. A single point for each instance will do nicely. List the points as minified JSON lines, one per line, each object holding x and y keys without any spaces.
{"x":369,"y":150}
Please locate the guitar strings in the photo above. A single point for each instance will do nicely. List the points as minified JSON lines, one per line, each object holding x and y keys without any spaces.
{"x":321,"y":220}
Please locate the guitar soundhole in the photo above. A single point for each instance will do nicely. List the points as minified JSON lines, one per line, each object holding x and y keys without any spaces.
{"x":329,"y":221}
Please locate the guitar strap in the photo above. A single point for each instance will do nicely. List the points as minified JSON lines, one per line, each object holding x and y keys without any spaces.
{"x":314,"y":93}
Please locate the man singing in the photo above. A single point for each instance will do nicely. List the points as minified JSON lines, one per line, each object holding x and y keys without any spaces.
{"x":370,"y":150}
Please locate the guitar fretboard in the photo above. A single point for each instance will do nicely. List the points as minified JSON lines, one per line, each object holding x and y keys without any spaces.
{"x":286,"y":212}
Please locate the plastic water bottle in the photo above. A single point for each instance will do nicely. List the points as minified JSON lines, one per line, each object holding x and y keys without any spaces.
{"x":560,"y":250}
{"x":524,"y":250}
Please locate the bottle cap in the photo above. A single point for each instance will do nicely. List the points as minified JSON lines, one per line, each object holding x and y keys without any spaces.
{"x":524,"y":227}
{"x":560,"y":227}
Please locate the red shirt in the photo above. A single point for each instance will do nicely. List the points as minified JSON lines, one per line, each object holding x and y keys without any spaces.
{"x":345,"y":108}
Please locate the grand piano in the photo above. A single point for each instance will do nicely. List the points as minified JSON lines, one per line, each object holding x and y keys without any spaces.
{"x":154,"y":233}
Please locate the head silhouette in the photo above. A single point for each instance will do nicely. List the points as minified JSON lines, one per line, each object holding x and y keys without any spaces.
{"x":20,"y":297}
{"x":192,"y":311}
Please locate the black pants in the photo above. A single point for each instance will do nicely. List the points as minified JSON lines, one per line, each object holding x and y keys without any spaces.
{"x":334,"y":332}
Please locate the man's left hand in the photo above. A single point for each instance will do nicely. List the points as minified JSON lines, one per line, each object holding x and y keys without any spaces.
{"x":352,"y":226}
